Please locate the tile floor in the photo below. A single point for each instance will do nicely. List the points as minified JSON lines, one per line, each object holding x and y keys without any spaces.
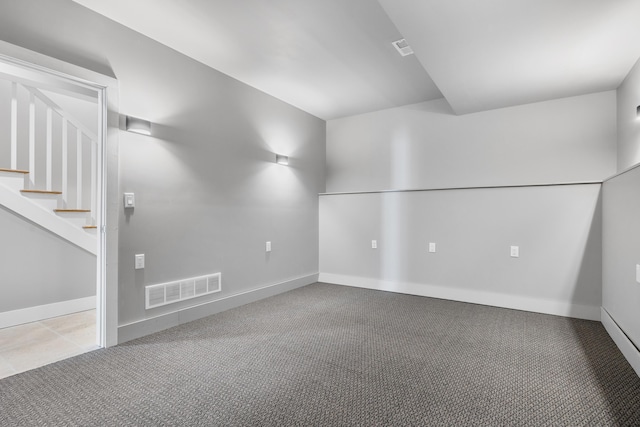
{"x":32,"y":345}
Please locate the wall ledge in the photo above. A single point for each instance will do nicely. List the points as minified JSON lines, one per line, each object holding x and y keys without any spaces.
{"x":140,"y":328}
{"x":536,"y":305}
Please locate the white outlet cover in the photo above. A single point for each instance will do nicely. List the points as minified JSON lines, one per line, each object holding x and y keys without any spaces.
{"x":515,"y":251}
{"x":129,"y":200}
{"x":139,"y":261}
{"x":268,"y":247}
{"x":374,"y":244}
{"x":638,"y":273}
{"x":432,"y":247}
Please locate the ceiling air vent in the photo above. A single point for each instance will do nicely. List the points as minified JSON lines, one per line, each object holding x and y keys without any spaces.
{"x":403,"y":47}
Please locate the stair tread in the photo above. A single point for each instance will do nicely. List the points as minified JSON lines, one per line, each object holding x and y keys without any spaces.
{"x":71,"y":210}
{"x":41,"y":192}
{"x":14,"y":170}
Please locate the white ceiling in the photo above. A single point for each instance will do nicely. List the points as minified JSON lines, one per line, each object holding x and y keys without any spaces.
{"x":334,"y":58}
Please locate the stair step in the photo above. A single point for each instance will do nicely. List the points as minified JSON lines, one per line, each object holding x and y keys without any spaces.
{"x":78,"y":217}
{"x":41,"y":192}
{"x":13,"y":179}
{"x":46,"y":199}
{"x":14,"y":171}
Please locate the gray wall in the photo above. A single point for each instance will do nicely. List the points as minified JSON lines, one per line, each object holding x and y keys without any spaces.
{"x":558,"y":231}
{"x":207,"y":191}
{"x":628,"y":122}
{"x":39,"y":267}
{"x":621,"y":252}
{"x":427,"y":146}
{"x":558,"y":228}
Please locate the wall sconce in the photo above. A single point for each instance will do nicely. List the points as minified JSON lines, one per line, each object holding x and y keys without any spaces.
{"x":138,"y":126}
{"x":638,"y":112}
{"x":282,"y":160}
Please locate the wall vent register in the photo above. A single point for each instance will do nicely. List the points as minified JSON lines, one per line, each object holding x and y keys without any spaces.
{"x":181,"y":290}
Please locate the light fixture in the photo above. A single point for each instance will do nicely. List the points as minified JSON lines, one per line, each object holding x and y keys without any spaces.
{"x":138,"y":126}
{"x":282,"y":160}
{"x":638,"y":112}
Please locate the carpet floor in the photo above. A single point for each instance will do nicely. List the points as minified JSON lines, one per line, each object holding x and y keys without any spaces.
{"x":337,"y":356}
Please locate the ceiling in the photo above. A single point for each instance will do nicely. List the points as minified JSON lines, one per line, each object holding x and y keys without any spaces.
{"x":334,"y":58}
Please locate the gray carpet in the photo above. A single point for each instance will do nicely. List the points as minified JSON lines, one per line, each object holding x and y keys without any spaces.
{"x":329,"y":355}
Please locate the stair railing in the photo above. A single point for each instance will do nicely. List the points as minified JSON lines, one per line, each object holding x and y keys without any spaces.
{"x":83,"y":137}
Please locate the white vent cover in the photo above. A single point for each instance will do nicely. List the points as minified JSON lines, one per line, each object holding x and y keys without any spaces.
{"x":403,"y":47}
{"x":180,"y":290}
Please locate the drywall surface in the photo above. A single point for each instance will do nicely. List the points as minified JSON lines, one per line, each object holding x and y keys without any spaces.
{"x":208,"y":193}
{"x":557,"y":230}
{"x":39,"y":268}
{"x":427,"y":146}
{"x":621,"y":252}
{"x":628,"y":121}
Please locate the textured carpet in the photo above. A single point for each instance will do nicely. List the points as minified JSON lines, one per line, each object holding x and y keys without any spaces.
{"x":330,"y":355}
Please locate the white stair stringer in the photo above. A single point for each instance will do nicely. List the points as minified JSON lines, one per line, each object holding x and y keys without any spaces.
{"x":46,"y":218}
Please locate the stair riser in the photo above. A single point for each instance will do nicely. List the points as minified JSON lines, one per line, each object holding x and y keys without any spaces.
{"x":46,"y":201}
{"x":78,"y":219}
{"x":14,"y":181}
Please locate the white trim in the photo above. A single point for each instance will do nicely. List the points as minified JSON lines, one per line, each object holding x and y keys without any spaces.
{"x":628,"y":349}
{"x":87,"y":82}
{"x":47,"y":311}
{"x":140,"y":328}
{"x":536,"y":305}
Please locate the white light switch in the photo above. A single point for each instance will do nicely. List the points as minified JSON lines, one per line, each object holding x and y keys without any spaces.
{"x":432,"y":247}
{"x":515,"y":251}
{"x":129,"y":200}
{"x":374,"y":244}
{"x":638,"y":273}
{"x":139,"y":261}
{"x":268,"y":247}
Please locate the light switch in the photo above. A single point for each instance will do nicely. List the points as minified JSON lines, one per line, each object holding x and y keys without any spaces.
{"x":374,"y":244}
{"x":515,"y":251}
{"x":139,"y":261}
{"x":268,"y":247}
{"x":432,"y":247}
{"x":129,"y":200}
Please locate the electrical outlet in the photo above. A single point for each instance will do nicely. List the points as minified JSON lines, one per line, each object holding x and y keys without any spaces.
{"x":515,"y":251}
{"x":638,"y":273}
{"x":268,"y":247}
{"x":432,"y":247}
{"x":374,"y":244}
{"x":139,"y":261}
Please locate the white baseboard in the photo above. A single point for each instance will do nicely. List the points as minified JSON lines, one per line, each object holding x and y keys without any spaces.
{"x":152,"y":325}
{"x":628,"y":349}
{"x":47,"y":311}
{"x":494,"y":299}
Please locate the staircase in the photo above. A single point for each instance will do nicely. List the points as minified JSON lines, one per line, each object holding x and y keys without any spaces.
{"x":48,"y":169}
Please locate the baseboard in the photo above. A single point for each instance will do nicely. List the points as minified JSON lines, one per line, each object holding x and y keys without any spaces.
{"x":628,"y":349}
{"x":144,"y":327}
{"x":494,"y":299}
{"x":47,"y":311}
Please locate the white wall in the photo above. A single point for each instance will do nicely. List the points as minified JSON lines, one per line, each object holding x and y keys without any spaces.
{"x":427,"y":146}
{"x":208,"y":194}
{"x":628,"y":123}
